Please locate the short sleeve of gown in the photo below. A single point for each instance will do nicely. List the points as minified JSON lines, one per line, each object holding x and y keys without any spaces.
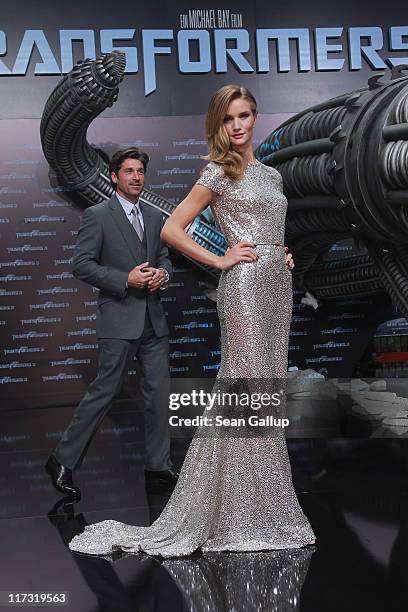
{"x":277,"y":175}
{"x":212,"y":176}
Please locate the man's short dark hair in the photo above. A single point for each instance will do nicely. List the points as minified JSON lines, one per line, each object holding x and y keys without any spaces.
{"x":131,"y":153}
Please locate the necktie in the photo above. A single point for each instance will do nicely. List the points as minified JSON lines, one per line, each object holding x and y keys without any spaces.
{"x":137,"y":226}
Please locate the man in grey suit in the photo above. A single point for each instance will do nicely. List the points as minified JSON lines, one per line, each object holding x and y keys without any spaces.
{"x":119,"y":251}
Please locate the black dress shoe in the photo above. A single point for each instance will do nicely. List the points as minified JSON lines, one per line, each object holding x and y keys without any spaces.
{"x":61,"y":478}
{"x":62,"y":511}
{"x":162,"y":478}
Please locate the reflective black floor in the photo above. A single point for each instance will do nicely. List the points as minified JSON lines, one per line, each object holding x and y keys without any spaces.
{"x":354,"y":492}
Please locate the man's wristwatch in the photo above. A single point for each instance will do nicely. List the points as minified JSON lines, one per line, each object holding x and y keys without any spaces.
{"x":166,"y":278}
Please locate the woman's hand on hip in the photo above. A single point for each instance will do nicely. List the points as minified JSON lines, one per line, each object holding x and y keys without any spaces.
{"x":289,"y":259}
{"x":243,"y":252}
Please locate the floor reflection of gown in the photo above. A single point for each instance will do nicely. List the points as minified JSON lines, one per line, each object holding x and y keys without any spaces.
{"x":247,"y":582}
{"x":234,"y":493}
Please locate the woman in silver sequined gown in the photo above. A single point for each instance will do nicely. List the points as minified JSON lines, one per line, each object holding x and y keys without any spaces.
{"x":234,"y":493}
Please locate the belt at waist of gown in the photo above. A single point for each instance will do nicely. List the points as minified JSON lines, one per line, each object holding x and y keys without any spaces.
{"x":278,"y":244}
{"x":269,"y":244}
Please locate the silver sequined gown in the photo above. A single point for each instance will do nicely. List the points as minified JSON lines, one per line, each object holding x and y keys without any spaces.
{"x":234,"y":493}
{"x":268,"y":581}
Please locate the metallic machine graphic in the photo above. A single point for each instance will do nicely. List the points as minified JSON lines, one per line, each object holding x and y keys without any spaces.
{"x":345,"y":170}
{"x":344,"y":165}
{"x":82,"y":95}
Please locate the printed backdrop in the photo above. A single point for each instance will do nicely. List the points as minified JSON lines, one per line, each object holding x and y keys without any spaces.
{"x":290,"y":54}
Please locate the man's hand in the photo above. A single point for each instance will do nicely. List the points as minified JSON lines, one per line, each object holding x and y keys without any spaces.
{"x":140,"y":276}
{"x":156,"y":280}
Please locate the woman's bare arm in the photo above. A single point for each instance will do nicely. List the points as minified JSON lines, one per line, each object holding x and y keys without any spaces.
{"x":174,"y":232}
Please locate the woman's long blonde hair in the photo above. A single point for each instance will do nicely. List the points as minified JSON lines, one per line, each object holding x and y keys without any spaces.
{"x":220,"y":150}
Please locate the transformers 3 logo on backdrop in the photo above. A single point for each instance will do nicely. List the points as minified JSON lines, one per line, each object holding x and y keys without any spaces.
{"x":215,"y":50}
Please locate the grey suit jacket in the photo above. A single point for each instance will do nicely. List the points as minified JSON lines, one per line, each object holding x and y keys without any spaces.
{"x":107,"y":249}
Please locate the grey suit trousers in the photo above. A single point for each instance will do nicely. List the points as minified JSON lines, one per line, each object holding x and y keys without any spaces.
{"x":114,"y":357}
